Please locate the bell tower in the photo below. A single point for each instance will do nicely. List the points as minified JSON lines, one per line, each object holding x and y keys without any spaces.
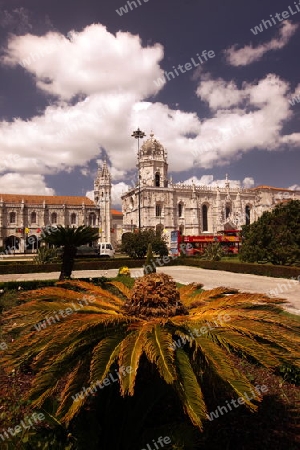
{"x":152,"y":164}
{"x":102,"y":198}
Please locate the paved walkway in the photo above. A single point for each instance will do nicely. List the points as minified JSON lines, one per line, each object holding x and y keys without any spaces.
{"x":283,"y":288}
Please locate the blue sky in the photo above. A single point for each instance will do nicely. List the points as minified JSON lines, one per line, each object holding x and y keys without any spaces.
{"x":215,"y":81}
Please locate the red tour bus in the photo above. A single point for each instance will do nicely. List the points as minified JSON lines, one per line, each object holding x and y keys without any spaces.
{"x":230,"y":240}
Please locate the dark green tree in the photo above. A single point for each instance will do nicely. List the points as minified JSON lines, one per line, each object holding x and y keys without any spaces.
{"x":274,"y":237}
{"x":69,"y":239}
{"x":135,"y":245}
{"x":149,"y":260}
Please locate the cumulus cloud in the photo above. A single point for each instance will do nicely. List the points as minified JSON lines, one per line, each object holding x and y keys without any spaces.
{"x":295,"y":187}
{"x":89,"y":62}
{"x":117,"y":190}
{"x":14,"y":183}
{"x":208,"y":180}
{"x":99,"y":85}
{"x":249,"y":54}
{"x":249,"y":117}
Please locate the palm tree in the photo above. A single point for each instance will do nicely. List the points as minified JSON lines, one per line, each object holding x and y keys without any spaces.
{"x":180,"y":336}
{"x":70,"y":239}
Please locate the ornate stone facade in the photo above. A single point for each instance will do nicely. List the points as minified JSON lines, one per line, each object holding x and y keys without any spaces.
{"x":23,"y":217}
{"x":189,"y":208}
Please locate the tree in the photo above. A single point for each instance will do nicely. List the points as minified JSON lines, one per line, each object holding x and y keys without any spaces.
{"x":149,"y":260}
{"x":136,"y":244}
{"x":175,"y":341}
{"x":274,"y":237}
{"x":69,"y":239}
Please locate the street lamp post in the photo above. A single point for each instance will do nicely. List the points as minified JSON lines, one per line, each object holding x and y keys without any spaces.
{"x":138,"y":134}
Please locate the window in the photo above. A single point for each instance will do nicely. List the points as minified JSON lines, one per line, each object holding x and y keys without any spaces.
{"x":157,"y":179}
{"x":73,"y":219}
{"x":247,"y":214}
{"x":92,"y":219}
{"x":227,"y":211}
{"x":33,"y":217}
{"x":12,"y":217}
{"x":158,"y":210}
{"x":204,"y":218}
{"x":54,"y":217}
{"x":180,"y":209}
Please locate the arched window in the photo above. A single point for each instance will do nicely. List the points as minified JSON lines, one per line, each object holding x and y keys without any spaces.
{"x":12,"y":217}
{"x":157,"y":179}
{"x":158,"y":210}
{"x":131,"y":204}
{"x":92,"y":220}
{"x":227,"y":211}
{"x":247,"y":214}
{"x":54,"y":217}
{"x":33,"y":217}
{"x":73,"y":219}
{"x":180,"y":209}
{"x":204,"y":218}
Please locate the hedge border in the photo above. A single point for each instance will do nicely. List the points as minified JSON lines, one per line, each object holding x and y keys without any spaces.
{"x":227,"y":266}
{"x":79,"y":265}
{"x":253,"y":269}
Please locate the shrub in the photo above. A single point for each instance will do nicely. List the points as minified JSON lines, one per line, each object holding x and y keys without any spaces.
{"x":135,"y":245}
{"x":213,"y":252}
{"x":274,"y":237}
{"x":46,"y":255}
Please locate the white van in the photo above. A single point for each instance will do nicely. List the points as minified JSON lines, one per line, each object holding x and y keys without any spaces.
{"x":106,"y":249}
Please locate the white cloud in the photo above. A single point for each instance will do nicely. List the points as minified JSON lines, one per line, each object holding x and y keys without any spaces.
{"x":116,"y":191}
{"x":90,"y":195}
{"x":295,"y":187}
{"x":250,"y":54}
{"x":254,"y":119}
{"x":14,"y":183}
{"x":219,"y":93}
{"x":92,"y":61}
{"x":113,"y":89}
{"x":208,"y":180}
{"x":248,"y":182}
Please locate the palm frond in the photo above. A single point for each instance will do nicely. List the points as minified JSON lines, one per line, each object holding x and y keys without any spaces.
{"x":131,"y":351}
{"x":159,"y":351}
{"x":105,"y":354}
{"x":189,"y":390}
{"x":187,"y":290}
{"x":122,"y":288}
{"x":71,"y":398}
{"x":218,"y":361}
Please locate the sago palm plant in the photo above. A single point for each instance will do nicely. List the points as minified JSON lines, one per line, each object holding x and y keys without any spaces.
{"x":76,"y":335}
{"x":69,"y":239}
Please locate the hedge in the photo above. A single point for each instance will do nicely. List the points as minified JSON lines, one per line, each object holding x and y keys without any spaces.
{"x":227,"y":266}
{"x":79,"y":265}
{"x":37,"y":284}
{"x":254,"y":269}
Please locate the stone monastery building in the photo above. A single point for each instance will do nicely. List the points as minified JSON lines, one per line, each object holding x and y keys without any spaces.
{"x":23,"y":217}
{"x":157,"y":202}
